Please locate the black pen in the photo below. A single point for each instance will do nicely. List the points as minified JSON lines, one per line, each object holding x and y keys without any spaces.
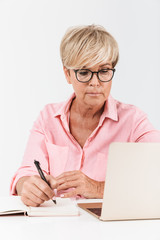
{"x":37,"y":164}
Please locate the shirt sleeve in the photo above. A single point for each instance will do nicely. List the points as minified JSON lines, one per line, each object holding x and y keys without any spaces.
{"x":143,"y":130}
{"x":35,"y":150}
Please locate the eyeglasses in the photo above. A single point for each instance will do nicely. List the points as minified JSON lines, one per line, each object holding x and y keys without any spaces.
{"x":85,"y":75}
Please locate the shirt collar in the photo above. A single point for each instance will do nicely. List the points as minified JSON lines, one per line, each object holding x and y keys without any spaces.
{"x":63,"y":110}
{"x":110,"y":109}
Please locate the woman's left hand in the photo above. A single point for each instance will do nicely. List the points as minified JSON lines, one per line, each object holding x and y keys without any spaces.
{"x":82,"y":184}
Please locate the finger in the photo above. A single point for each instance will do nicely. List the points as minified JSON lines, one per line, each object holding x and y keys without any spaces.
{"x":30,"y":201}
{"x":66,"y":174}
{"x":66,"y":185}
{"x":67,"y":178}
{"x":32,"y":186}
{"x":38,"y":193}
{"x":52,"y":181}
{"x":69,"y":194}
{"x":44,"y":187}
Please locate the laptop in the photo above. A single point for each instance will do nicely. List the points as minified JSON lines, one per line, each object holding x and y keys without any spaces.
{"x":132,"y":185}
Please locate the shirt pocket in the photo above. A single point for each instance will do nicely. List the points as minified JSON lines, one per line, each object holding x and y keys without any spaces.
{"x":58,"y":156}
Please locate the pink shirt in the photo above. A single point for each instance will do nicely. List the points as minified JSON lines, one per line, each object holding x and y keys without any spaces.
{"x":52,"y":144}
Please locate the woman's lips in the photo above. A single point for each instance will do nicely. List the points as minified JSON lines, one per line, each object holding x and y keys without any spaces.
{"x":93,"y":93}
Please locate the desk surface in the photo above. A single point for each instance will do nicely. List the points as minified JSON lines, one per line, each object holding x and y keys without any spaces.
{"x":83,"y":227}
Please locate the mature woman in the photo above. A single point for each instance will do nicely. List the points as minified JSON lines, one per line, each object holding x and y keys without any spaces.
{"x":71,"y":139}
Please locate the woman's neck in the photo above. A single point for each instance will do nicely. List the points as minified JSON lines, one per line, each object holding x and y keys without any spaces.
{"x":86,"y":111}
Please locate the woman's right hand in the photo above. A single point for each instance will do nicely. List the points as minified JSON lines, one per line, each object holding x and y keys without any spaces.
{"x":34,"y":191}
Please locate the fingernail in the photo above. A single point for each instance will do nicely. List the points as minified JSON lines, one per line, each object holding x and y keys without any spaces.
{"x":62,"y":195}
{"x":55,"y":191}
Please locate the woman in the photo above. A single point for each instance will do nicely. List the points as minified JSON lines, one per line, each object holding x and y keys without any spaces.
{"x":71,"y":139}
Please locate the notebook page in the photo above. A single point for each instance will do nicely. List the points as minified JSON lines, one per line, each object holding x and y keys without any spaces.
{"x":64,"y":207}
{"x":11,"y":204}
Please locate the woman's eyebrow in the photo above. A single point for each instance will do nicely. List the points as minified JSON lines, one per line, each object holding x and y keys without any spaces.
{"x":104,"y":65}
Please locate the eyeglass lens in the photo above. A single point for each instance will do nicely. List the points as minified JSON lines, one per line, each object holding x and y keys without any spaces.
{"x":85,"y":75}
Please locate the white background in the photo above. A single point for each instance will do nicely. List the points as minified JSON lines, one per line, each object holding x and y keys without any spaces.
{"x":31,"y":71}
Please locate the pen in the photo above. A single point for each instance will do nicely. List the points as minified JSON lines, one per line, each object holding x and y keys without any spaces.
{"x":37,"y":164}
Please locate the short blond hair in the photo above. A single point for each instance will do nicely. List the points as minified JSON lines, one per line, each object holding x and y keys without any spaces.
{"x":88,"y":46}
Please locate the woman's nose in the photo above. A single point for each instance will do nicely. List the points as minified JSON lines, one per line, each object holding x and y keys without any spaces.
{"x":94,"y":81}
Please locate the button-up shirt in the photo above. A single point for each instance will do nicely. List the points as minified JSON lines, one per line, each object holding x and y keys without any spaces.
{"x":52,"y":144}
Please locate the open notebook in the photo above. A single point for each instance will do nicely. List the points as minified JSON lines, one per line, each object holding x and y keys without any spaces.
{"x":13,"y":205}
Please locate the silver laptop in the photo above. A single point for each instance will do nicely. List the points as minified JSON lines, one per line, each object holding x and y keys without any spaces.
{"x":132,"y":186}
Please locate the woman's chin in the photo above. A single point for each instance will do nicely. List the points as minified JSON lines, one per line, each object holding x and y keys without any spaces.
{"x":94,"y":102}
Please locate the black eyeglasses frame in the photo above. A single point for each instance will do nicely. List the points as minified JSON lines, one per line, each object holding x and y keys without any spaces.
{"x":76,"y":70}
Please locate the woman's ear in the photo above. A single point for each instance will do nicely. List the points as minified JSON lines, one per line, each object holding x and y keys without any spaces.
{"x":67,"y":74}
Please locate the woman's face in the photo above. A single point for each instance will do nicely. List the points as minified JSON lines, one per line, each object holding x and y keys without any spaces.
{"x":92,"y":93}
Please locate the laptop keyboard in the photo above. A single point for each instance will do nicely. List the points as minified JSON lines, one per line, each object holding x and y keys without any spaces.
{"x":96,"y":211}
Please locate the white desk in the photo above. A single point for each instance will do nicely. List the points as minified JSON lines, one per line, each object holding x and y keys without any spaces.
{"x":83,"y":227}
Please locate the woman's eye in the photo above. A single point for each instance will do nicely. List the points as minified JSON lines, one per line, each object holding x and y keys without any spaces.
{"x":104,"y":71}
{"x":83,"y":73}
